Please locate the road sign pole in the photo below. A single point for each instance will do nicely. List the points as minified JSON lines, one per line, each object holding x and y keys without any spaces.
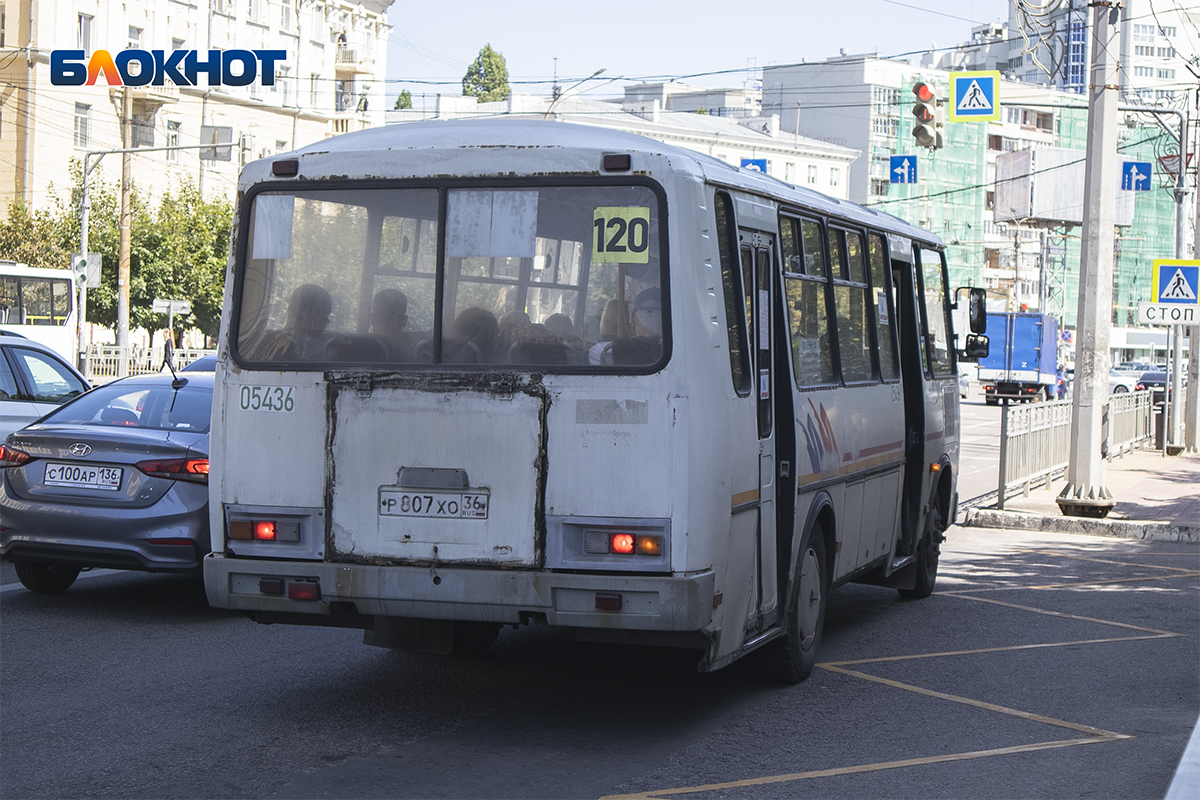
{"x":1181,"y":215}
{"x":1086,"y":493}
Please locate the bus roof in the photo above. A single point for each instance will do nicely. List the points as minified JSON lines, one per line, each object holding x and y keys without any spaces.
{"x":543,"y":147}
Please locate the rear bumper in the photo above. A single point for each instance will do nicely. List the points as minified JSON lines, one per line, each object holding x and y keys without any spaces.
{"x":650,"y":603}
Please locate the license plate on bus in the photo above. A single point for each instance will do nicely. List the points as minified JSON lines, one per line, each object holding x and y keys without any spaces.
{"x":444,"y":505}
{"x":83,"y":475}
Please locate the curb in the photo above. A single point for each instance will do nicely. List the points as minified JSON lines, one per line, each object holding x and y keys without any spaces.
{"x":1117,"y":528}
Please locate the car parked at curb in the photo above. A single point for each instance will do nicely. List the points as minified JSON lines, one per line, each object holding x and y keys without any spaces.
{"x":1119,"y":382}
{"x":34,"y":380}
{"x":116,"y":478}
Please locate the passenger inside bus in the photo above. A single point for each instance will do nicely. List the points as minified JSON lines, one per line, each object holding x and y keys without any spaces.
{"x":473,"y":338}
{"x":389,"y":316}
{"x":645,"y":347}
{"x":302,"y":337}
{"x":614,"y":322}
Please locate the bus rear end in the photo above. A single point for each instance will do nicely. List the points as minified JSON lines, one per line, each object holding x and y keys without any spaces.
{"x":443,"y":403}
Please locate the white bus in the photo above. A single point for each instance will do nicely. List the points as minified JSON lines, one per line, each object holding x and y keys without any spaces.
{"x":39,"y":304}
{"x":487,"y":373}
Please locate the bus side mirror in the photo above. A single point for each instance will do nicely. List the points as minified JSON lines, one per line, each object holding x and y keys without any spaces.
{"x":977,"y":312}
{"x":977,"y":348}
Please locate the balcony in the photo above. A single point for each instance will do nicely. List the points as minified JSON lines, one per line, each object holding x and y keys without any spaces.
{"x":351,"y":60}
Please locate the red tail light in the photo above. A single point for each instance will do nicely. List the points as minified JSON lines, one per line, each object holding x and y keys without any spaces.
{"x":184,"y":469}
{"x":12,"y":457}
{"x":1141,"y":387}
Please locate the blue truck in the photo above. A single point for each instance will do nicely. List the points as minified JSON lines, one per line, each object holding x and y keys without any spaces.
{"x":1023,"y":362}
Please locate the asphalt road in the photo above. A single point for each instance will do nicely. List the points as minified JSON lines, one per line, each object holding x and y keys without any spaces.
{"x":1047,"y":665}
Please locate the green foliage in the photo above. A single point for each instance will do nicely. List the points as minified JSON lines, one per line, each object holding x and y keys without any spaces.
{"x":33,"y":238}
{"x":403,"y":100}
{"x":177,"y":253}
{"x":487,"y":77}
{"x":702,"y":110}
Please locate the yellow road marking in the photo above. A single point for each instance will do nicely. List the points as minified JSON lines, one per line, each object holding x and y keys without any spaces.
{"x":1093,"y":735}
{"x":829,"y":773}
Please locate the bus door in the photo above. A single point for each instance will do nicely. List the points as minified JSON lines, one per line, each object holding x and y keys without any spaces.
{"x":913,"y":368}
{"x":757,"y":256}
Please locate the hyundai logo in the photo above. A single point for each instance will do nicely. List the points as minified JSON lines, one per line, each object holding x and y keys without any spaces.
{"x":79,"y":449}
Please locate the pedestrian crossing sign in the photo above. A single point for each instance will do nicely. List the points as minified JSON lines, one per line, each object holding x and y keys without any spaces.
{"x":1177,"y":282}
{"x":974,"y":96}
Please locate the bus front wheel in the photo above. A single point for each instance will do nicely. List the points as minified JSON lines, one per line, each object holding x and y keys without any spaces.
{"x":928,"y":554}
{"x":791,"y":658}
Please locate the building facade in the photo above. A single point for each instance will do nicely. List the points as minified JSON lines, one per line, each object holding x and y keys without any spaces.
{"x":866,"y":102}
{"x":331,"y":81}
{"x":733,"y":139}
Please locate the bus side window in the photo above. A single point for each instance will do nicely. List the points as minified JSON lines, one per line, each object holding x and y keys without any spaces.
{"x":731,"y":282}
{"x":850,"y":299}
{"x":881,"y":297}
{"x":805,"y":286}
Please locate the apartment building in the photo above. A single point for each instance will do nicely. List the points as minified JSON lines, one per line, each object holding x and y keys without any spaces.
{"x":331,"y":81}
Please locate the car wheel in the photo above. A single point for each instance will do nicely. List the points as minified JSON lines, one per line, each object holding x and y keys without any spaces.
{"x":1120,"y":389}
{"x":46,"y":578}
{"x":791,"y":658}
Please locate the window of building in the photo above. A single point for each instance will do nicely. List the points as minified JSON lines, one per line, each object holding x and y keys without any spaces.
{"x":177,"y":44}
{"x":135,"y":38}
{"x":143,"y":130}
{"x":287,"y":17}
{"x":84,"y":38}
{"x":1163,"y":94}
{"x":83,"y":115}
{"x":880,"y":188}
{"x":173,"y":128}
{"x":254,"y":10}
{"x":789,"y":172}
{"x":314,"y":84}
{"x":282,"y":79}
{"x":1167,"y":74}
{"x":835,"y":176}
{"x":281,"y":146}
{"x":2,"y":25}
{"x":812,"y":173}
{"x":1143,"y":72}
{"x":1166,"y":52}
{"x":1167,"y":31}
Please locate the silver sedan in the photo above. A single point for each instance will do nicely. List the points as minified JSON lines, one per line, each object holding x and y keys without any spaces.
{"x":117,"y":478}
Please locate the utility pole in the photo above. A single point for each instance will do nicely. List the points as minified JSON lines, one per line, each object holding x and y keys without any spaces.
{"x":1086,"y":494}
{"x":123,"y":243}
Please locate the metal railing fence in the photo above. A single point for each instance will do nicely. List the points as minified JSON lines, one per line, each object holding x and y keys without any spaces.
{"x":1035,"y":439}
{"x":103,"y":362}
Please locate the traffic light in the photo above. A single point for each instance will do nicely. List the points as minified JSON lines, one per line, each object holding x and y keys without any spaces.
{"x":926,"y":128}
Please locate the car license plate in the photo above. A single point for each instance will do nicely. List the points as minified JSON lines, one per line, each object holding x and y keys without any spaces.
{"x":83,"y":475}
{"x":444,"y":505}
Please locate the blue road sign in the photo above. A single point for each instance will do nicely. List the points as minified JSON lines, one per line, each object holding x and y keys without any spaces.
{"x":903,"y":169}
{"x":1176,"y":281}
{"x":756,"y":164}
{"x":974,"y":96}
{"x":1135,"y":176}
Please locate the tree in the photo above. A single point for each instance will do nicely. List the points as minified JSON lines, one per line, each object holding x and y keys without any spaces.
{"x":177,"y":253}
{"x":487,"y":77}
{"x":404,"y":100}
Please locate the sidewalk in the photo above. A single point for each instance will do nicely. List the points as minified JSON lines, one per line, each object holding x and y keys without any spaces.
{"x":1156,"y":498}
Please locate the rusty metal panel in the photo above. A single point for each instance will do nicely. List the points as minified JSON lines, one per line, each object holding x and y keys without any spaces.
{"x":451,"y":443}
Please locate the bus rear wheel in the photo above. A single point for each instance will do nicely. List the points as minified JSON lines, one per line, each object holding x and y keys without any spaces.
{"x":791,"y":658}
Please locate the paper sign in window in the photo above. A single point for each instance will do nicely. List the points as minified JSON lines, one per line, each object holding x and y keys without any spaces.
{"x":484,"y":223}
{"x":273,"y":226}
{"x":621,"y":235}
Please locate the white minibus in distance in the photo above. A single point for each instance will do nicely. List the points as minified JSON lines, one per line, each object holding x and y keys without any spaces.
{"x":503,"y":372}
{"x":39,"y":304}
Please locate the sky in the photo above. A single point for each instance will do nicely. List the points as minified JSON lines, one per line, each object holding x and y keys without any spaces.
{"x":432,"y":43}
